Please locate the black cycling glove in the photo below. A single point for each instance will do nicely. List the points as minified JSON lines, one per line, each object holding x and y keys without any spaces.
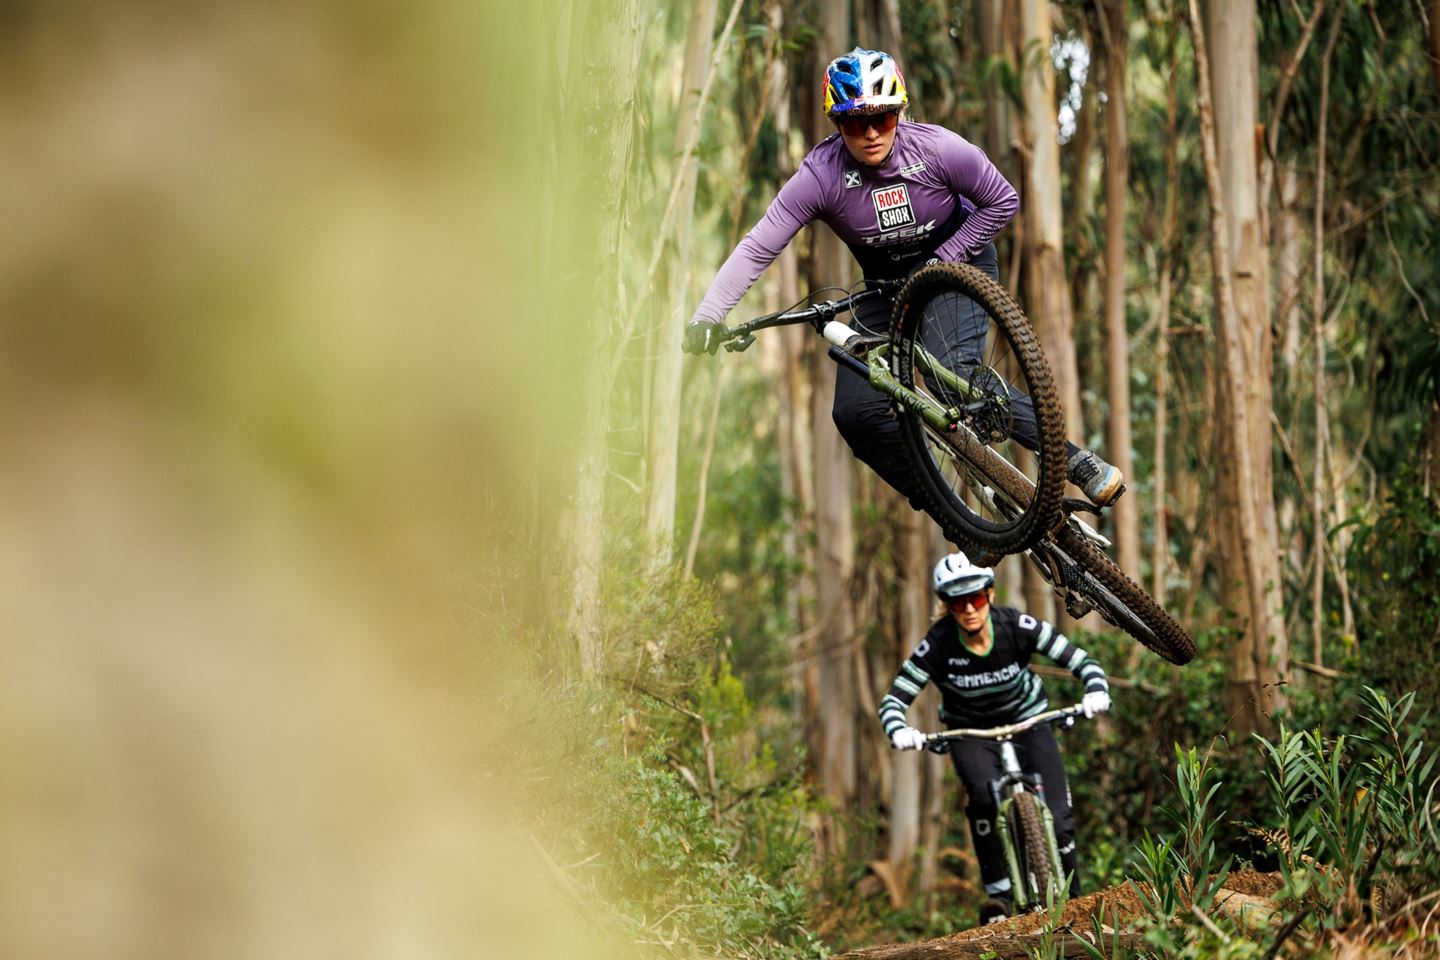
{"x":701,"y":336}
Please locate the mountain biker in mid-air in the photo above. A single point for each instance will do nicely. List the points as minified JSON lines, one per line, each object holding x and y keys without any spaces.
{"x":900,"y":195}
{"x":979,"y":657}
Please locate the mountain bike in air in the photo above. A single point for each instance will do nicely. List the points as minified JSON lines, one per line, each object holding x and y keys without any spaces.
{"x":991,"y":464}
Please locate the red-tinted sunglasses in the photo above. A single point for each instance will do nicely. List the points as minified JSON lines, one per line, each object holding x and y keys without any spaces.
{"x":855,"y":125}
{"x":979,"y":599}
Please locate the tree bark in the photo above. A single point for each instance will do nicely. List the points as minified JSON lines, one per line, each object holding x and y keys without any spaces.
{"x":907,"y":783}
{"x":1047,"y":297}
{"x":1246,"y":510}
{"x":997,"y":108}
{"x":1288,"y":270}
{"x":836,"y":750}
{"x":1117,"y":338}
{"x":664,"y":432}
{"x":794,"y":400}
{"x":1085,"y":276}
{"x":604,"y":47}
{"x":1317,"y":308}
{"x":1047,"y":287}
{"x":1170,"y":218}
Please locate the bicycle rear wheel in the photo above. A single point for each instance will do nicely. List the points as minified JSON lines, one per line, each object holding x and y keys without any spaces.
{"x":995,"y":466}
{"x":1122,"y":601}
{"x":1040,"y":876}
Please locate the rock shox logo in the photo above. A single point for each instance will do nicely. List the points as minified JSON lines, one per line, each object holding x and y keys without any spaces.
{"x":892,"y":207}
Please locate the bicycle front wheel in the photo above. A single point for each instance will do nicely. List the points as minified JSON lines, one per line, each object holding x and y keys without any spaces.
{"x":1041,"y":880}
{"x":988,"y":444}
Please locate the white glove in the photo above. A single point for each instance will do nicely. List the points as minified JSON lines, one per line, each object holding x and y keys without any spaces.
{"x":1093,"y":703}
{"x":907,"y":738}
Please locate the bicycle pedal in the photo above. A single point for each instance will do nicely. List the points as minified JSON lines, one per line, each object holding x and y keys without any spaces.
{"x":1077,"y":606}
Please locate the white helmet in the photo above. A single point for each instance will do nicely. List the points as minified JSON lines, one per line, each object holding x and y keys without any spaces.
{"x":956,"y":576}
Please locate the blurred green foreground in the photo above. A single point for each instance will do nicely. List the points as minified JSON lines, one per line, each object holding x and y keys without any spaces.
{"x":268,"y":300}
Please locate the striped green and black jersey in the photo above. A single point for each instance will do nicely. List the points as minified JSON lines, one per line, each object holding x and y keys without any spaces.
{"x":989,"y":689}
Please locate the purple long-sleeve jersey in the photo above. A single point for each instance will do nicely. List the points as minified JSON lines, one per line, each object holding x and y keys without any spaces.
{"x":936,"y":195}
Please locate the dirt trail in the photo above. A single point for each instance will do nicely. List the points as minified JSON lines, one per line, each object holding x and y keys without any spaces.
{"x":1018,"y":936}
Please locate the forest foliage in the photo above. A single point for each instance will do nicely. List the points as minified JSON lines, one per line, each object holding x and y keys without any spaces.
{"x":1354,"y":388}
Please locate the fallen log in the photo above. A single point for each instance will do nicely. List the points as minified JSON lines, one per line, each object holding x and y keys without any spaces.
{"x":999,"y":946}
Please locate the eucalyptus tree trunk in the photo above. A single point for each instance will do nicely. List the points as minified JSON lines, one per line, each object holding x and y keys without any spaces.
{"x":795,"y":429}
{"x":664,"y":432}
{"x":1169,"y":223}
{"x":998,"y":119}
{"x":998,"y":41}
{"x":1245,"y":501}
{"x":1084,"y":274}
{"x":835,"y":751}
{"x":877,"y":25}
{"x":1047,"y":289}
{"x":1047,"y":286}
{"x":1288,"y":269}
{"x":1125,"y":514}
{"x":907,"y":780}
{"x":1322,"y":416}
{"x":604,"y":50}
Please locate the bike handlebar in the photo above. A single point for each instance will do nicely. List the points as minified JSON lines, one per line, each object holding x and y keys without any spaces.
{"x":740,"y":336}
{"x":940,"y":742}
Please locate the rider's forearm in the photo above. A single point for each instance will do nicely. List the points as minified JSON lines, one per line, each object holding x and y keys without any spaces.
{"x":795,"y":205}
{"x":1086,"y":668}
{"x":742,"y":268}
{"x":906,"y":686}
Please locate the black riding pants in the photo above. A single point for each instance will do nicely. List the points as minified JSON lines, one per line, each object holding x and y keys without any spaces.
{"x":978,"y":764}
{"x":955,"y":333}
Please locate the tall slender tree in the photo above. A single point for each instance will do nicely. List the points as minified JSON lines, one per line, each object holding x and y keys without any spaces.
{"x":1117,"y":337}
{"x":663,"y":435}
{"x":1245,"y":501}
{"x":603,"y":57}
{"x":835,"y":751}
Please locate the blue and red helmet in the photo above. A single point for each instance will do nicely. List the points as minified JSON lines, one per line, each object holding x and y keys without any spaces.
{"x":863,"y":81}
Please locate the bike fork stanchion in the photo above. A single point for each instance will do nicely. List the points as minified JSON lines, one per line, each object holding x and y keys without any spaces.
{"x":842,"y":357}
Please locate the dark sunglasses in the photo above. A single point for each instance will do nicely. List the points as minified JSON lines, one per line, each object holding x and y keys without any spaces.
{"x":979,"y":599}
{"x":856,"y":125}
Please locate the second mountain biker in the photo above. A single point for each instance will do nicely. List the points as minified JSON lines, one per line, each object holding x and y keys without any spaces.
{"x":979,"y":657}
{"x":899,"y":194}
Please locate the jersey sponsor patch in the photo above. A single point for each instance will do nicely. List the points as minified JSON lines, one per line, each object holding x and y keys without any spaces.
{"x":892,"y":207}
{"x":852,"y":179}
{"x":913,"y":168}
{"x":1027,"y":622}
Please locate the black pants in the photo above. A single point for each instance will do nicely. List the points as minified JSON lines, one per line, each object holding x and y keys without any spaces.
{"x":955,"y":332}
{"x":978,"y":764}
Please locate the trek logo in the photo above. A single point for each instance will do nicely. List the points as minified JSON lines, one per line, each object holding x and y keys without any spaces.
{"x":852,"y":179}
{"x":892,"y":207}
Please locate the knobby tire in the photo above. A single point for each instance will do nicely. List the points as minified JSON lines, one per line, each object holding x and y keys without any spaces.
{"x":1041,"y":512}
{"x":1166,"y":637}
{"x":1036,"y":864}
